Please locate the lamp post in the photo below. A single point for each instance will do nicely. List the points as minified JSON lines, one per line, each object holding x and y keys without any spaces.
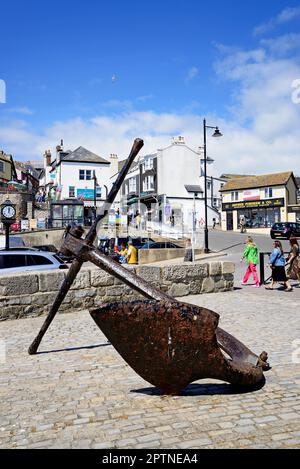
{"x":216,"y":134}
{"x":95,"y":194}
{"x":195,"y":190}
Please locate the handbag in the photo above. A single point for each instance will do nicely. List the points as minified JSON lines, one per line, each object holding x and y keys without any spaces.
{"x":273,"y":264}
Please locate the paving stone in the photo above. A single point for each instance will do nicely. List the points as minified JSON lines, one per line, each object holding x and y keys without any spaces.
{"x":84,"y":395}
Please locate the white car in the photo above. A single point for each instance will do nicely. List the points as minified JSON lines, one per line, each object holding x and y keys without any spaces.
{"x":23,"y":259}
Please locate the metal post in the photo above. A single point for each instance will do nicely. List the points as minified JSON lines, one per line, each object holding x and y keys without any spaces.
{"x":262,"y":267}
{"x":193,"y":230}
{"x":7,"y":226}
{"x":206,"y":249}
{"x":95,"y":194}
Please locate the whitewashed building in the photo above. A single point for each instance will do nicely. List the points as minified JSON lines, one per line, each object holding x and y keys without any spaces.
{"x":78,"y":175}
{"x":157,"y":187}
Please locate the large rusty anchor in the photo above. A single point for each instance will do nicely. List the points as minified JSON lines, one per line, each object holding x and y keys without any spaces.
{"x":167,"y":342}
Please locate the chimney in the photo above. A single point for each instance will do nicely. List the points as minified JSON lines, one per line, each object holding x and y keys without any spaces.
{"x":59,"y":150}
{"x":178,"y":140}
{"x":47,"y":158}
{"x":113,"y":158}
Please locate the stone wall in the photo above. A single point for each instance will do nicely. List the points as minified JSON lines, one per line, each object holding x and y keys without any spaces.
{"x":37,"y":238}
{"x":32,"y":294}
{"x":148,"y":256}
{"x":20,"y":199}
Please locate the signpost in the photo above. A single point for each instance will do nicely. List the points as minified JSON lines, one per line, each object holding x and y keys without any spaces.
{"x":8,"y":217}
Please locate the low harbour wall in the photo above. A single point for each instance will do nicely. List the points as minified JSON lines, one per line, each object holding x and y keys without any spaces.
{"x":32,"y":294}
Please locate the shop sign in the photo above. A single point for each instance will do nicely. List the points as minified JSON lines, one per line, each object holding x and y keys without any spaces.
{"x":83,"y":194}
{"x":24,"y":225}
{"x":33,"y":224}
{"x":41,"y":223}
{"x":251,"y":194}
{"x":253,"y":204}
{"x":294,"y":208}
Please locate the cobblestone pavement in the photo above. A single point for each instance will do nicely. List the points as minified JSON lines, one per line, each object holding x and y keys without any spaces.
{"x":82,"y":394}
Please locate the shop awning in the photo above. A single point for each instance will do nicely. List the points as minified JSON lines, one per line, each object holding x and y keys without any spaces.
{"x":134,"y":200}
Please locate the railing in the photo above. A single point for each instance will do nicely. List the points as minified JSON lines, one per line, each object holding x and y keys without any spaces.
{"x":262,"y":255}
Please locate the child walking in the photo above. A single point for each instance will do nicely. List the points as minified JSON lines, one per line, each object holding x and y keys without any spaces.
{"x":251,"y":256}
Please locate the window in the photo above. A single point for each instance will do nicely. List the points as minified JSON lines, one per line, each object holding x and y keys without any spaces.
{"x":132,"y":185}
{"x":260,"y":218}
{"x":2,"y":166}
{"x":10,"y":260}
{"x":234,"y":196}
{"x":38,"y":260}
{"x":148,"y":183}
{"x":268,"y":193}
{"x":148,"y":164}
{"x":85,"y":174}
{"x":71,"y":191}
{"x":98,"y":192}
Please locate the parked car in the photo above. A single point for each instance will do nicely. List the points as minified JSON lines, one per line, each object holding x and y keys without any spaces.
{"x":14,"y":241}
{"x":160,"y":245}
{"x":46,"y":248}
{"x":107,"y":245}
{"x":26,"y":259}
{"x":52,"y":248}
{"x":285,"y":230}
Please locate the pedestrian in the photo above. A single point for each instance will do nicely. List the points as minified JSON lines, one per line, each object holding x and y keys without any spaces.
{"x":251,"y":256}
{"x":131,"y":255}
{"x":188,"y":256}
{"x":172,"y":219}
{"x":277,"y":264}
{"x":214,"y":223}
{"x":138,"y":220}
{"x":123,"y":254}
{"x":293,"y":260}
{"x":243,"y":224}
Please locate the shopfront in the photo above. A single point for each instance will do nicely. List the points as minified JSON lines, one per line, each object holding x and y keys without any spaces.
{"x":257,"y":214}
{"x":294,"y":213}
{"x":66,"y":212}
{"x":257,"y":202}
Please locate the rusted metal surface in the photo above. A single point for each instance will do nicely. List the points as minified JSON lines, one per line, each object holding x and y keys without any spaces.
{"x":89,"y":240}
{"x":132,"y":326}
{"x":171,"y":344}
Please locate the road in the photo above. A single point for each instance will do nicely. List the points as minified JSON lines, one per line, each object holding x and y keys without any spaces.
{"x":233,"y":244}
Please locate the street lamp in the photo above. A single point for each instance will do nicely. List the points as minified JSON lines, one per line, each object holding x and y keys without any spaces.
{"x":195,"y":190}
{"x":95,"y":194}
{"x":216,"y":134}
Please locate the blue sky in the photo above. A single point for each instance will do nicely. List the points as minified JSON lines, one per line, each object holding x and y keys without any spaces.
{"x":99,"y":73}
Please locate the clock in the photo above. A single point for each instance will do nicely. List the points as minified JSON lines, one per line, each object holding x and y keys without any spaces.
{"x":8,"y":212}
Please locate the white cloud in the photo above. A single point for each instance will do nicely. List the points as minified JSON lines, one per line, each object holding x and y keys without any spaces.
{"x":263,"y":135}
{"x":286,"y":15}
{"x":102,"y":134}
{"x":192,"y":73}
{"x":261,"y":132}
{"x":20,"y":110}
{"x":283,"y":44}
{"x":2,"y":91}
